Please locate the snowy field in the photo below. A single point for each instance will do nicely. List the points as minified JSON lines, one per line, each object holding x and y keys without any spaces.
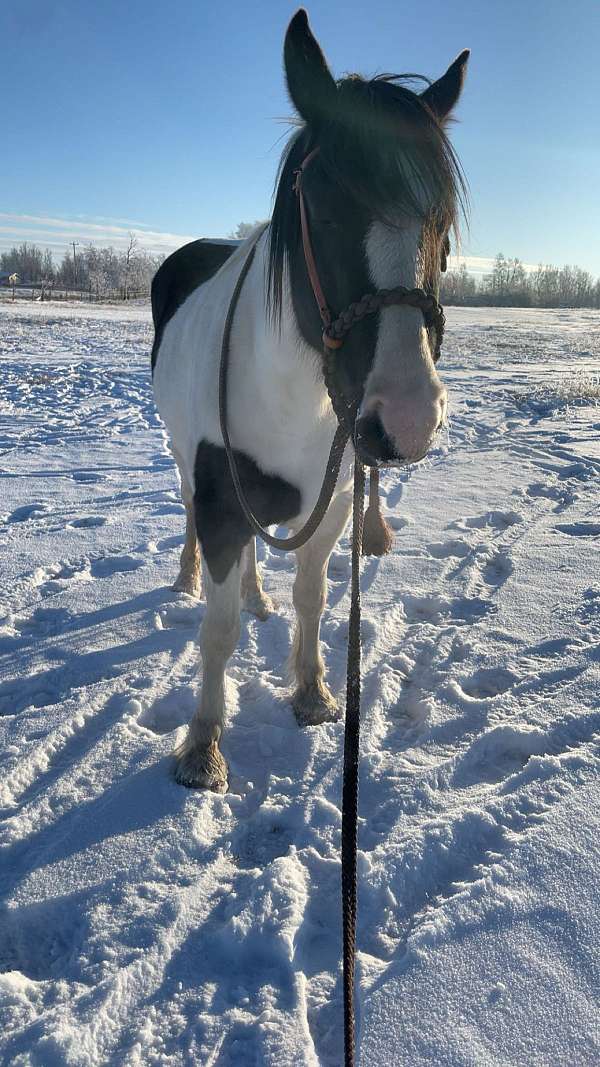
{"x":142,"y":923}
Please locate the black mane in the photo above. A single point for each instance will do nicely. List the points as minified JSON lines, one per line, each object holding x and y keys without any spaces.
{"x":385,"y":148}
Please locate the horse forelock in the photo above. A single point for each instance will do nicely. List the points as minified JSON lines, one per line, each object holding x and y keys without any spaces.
{"x":385,"y":149}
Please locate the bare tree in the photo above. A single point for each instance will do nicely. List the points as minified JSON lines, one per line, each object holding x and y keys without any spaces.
{"x":130,"y":254}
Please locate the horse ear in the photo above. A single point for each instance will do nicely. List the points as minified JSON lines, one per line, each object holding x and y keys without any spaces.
{"x":310,"y":84}
{"x":443,"y":94}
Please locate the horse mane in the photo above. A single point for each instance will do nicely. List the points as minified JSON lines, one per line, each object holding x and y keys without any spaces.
{"x":388,"y":151}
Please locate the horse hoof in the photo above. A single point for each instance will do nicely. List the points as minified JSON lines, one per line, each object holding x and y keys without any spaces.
{"x":314,"y":704}
{"x":202,"y":768}
{"x":259,"y":604}
{"x":187,"y":583}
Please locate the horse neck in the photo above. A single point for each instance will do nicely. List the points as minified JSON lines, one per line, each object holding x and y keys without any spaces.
{"x":284,"y":348}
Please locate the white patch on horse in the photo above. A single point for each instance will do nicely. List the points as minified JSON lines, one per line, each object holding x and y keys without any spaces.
{"x":403,"y":387}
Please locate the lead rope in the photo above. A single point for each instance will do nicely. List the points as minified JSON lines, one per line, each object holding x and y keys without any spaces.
{"x":352,"y":724}
{"x":350,"y":787}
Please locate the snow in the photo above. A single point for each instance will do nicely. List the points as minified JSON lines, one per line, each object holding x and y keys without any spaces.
{"x":145,"y":924}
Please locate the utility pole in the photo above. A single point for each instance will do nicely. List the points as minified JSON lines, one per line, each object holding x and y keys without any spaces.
{"x":74,"y":263}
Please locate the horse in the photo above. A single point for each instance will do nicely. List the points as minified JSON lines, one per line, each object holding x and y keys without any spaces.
{"x":382,"y":188}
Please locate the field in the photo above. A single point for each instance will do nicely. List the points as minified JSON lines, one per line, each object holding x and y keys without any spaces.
{"x":142,"y":923}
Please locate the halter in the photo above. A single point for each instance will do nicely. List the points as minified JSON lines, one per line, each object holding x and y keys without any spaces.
{"x":335,"y":330}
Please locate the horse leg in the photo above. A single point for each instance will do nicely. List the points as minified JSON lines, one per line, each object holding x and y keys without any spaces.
{"x":188,"y":579}
{"x":312,"y":701}
{"x":199,"y":760}
{"x":253,"y":598}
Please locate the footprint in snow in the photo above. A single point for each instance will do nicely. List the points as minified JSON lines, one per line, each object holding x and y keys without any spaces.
{"x":87,"y":521}
{"x":581,"y":470}
{"x":497,"y":520}
{"x":563,"y":497}
{"x":56,"y":576}
{"x":456,"y":549}
{"x":44,"y":621}
{"x":550,"y":648}
{"x":169,"y":509}
{"x":488,"y":682}
{"x":498,"y":567}
{"x":46,"y":940}
{"x":470,"y":609}
{"x":438,"y":609}
{"x":261,"y":841}
{"x":579,"y":529}
{"x":179,"y":615}
{"x":87,"y":477}
{"x":398,"y":522}
{"x":336,"y":633}
{"x":103,"y":568}
{"x":498,"y":754}
{"x":36,"y":510}
{"x":168,"y":713}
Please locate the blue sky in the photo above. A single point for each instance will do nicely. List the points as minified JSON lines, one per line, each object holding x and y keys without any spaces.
{"x":166,"y":117}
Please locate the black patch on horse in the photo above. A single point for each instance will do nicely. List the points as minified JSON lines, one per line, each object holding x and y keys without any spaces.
{"x":178,"y":276}
{"x":222,"y":529}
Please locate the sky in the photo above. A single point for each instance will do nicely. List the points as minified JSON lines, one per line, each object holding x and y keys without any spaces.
{"x":168,"y":119}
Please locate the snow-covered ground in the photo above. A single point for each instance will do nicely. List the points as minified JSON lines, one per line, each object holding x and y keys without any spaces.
{"x":146,"y":924}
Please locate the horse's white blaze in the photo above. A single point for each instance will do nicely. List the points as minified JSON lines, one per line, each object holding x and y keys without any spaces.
{"x":403,"y":386}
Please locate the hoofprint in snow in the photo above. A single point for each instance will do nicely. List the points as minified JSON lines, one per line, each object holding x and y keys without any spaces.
{"x":144,"y":923}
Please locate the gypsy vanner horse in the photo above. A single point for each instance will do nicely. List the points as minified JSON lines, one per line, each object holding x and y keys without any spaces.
{"x":381,"y":194}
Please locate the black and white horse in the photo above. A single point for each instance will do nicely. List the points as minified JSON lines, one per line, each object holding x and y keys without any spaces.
{"x":381,"y":195}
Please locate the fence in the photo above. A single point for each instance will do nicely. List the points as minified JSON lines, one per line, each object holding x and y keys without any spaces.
{"x":40,"y":291}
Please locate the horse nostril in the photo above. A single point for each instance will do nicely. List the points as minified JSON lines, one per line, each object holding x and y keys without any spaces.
{"x":372,"y":441}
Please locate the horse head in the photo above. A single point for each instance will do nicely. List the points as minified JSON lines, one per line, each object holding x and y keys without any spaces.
{"x":382,"y":189}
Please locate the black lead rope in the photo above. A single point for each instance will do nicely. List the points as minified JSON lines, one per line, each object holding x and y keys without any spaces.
{"x":352,"y":724}
{"x":350,"y":787}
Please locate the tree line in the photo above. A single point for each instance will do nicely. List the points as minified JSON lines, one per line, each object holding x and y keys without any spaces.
{"x":105,"y":270}
{"x":510,"y":285}
{"x":84,"y":267}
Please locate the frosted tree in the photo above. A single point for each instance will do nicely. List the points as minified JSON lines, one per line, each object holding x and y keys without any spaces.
{"x":244,"y":229}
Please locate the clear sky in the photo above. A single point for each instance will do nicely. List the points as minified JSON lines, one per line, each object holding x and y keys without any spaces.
{"x":167,"y":116}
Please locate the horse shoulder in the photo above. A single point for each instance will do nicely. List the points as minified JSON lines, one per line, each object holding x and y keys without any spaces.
{"x":179,"y":276}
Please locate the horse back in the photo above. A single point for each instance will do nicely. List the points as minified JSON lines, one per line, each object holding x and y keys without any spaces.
{"x":179,"y":275}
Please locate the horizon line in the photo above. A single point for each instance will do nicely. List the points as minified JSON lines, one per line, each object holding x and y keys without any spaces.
{"x":58,"y":233}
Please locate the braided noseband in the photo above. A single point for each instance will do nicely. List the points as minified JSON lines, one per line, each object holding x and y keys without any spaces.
{"x":333,"y":335}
